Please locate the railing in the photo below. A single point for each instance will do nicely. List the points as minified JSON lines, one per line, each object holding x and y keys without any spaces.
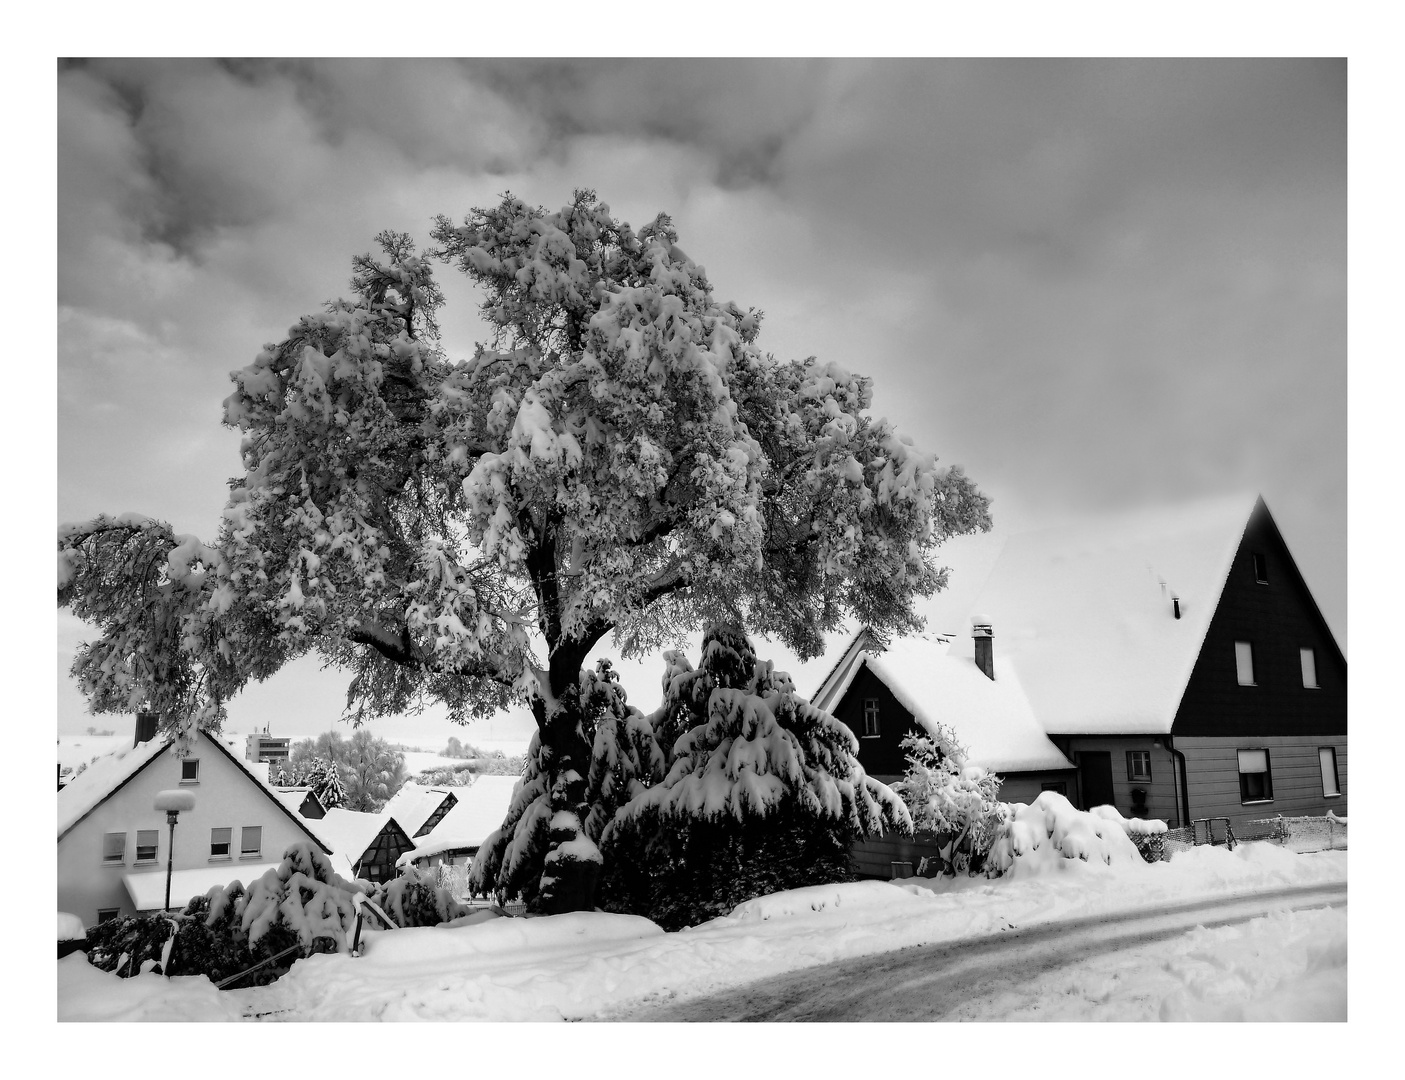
{"x":1299,"y":834}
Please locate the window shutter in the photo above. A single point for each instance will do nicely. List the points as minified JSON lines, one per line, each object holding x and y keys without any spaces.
{"x":114,"y":846}
{"x":251,"y":841}
{"x":1253,"y":761}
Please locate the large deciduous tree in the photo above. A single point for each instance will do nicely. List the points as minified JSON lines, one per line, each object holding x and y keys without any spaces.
{"x":617,"y":458}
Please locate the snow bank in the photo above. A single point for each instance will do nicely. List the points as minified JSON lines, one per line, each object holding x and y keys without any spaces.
{"x":71,"y":927}
{"x":88,"y":993}
{"x":582,"y":965}
{"x":854,"y":898}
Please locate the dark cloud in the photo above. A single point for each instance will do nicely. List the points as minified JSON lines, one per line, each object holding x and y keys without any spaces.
{"x":1092,"y":282}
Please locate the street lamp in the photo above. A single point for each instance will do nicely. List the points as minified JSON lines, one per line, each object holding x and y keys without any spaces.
{"x":173,"y":802}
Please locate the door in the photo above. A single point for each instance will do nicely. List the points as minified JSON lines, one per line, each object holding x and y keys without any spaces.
{"x":1095,"y":778}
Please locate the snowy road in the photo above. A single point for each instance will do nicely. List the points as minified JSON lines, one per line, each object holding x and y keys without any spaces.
{"x":1133,"y":966}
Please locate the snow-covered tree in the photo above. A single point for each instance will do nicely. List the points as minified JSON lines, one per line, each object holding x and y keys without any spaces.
{"x":618,"y":458}
{"x":323,"y":777}
{"x":763,"y":792}
{"x":956,"y":801}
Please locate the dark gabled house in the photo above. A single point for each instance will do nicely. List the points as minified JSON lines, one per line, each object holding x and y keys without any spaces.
{"x":369,"y":844}
{"x":1174,"y":659}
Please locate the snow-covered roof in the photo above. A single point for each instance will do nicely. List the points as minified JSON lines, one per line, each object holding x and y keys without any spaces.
{"x":148,"y":889}
{"x":89,"y":788}
{"x":412,"y":805}
{"x":1085,"y":612}
{"x":292,"y":797}
{"x":992,"y":719}
{"x":351,"y":832}
{"x":480,"y":811}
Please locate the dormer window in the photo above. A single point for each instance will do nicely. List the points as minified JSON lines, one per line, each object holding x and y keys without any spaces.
{"x":1260,"y":568}
{"x":870,"y":718}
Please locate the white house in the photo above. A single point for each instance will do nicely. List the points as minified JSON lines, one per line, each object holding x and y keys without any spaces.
{"x":113,"y":845}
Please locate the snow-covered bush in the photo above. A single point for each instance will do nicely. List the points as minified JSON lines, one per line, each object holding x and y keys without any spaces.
{"x":1049,"y":830}
{"x":416,"y":898}
{"x":1148,"y":835}
{"x":302,"y":894}
{"x":956,"y":801}
{"x":763,"y":792}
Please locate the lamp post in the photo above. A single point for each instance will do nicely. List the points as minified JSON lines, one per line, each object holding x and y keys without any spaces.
{"x":173,"y":802}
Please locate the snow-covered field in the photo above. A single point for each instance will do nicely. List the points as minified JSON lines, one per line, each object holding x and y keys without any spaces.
{"x":586,"y":966}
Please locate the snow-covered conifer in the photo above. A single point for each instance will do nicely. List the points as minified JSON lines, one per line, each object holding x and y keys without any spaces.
{"x":618,"y":458}
{"x":763,"y":792}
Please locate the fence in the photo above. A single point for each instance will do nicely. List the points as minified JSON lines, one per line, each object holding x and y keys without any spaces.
{"x":1299,"y":834}
{"x":454,"y":878}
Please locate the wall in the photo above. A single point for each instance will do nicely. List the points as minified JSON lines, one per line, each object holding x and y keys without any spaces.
{"x":225,"y":796}
{"x":1212,"y":768}
{"x":1160,"y":792}
{"x":1278,"y":619}
{"x":882,"y":757}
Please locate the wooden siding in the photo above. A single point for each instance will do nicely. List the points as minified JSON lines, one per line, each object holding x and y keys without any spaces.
{"x":1024,"y":787}
{"x":1278,"y":618}
{"x":875,"y":856}
{"x":882,"y":756}
{"x":1212,"y":771}
{"x":1160,"y":790}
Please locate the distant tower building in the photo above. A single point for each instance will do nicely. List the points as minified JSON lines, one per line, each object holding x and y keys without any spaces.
{"x":261,"y":746}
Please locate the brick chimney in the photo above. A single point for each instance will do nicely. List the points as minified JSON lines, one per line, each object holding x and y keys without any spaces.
{"x":985,"y":644}
{"x":146,"y":728}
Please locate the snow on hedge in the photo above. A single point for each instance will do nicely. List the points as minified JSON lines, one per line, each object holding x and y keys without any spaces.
{"x":1041,"y":837}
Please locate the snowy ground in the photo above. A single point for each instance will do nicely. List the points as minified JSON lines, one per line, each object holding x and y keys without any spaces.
{"x":588,"y":966}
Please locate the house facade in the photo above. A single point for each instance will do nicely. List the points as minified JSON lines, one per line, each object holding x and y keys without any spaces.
{"x":113,"y":846}
{"x":1174,"y":661}
{"x":371,"y":844}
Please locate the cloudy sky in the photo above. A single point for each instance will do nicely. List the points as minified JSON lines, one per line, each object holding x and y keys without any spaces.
{"x":1095,"y":284}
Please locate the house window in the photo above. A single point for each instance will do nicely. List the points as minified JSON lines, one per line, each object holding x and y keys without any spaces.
{"x":107,"y":914}
{"x":870,"y":718}
{"x":1244,"y":662}
{"x":190,"y":770}
{"x":251,"y":840}
{"x":219,"y":843}
{"x":1328,"y":757}
{"x":114,"y":847}
{"x":1059,"y":787}
{"x":146,"y":845}
{"x":1255,"y":778}
{"x":1309,"y":659}
{"x":1260,"y":568}
{"x":1138,"y":764}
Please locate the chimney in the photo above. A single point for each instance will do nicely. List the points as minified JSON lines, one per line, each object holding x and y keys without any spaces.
{"x":146,"y":728}
{"x":1176,"y":605}
{"x":985,"y":644}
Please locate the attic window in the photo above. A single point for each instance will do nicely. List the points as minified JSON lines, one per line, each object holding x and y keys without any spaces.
{"x":1309,"y":662}
{"x":190,"y":770}
{"x":870,"y":718}
{"x":1244,"y":662}
{"x":1260,"y":568}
